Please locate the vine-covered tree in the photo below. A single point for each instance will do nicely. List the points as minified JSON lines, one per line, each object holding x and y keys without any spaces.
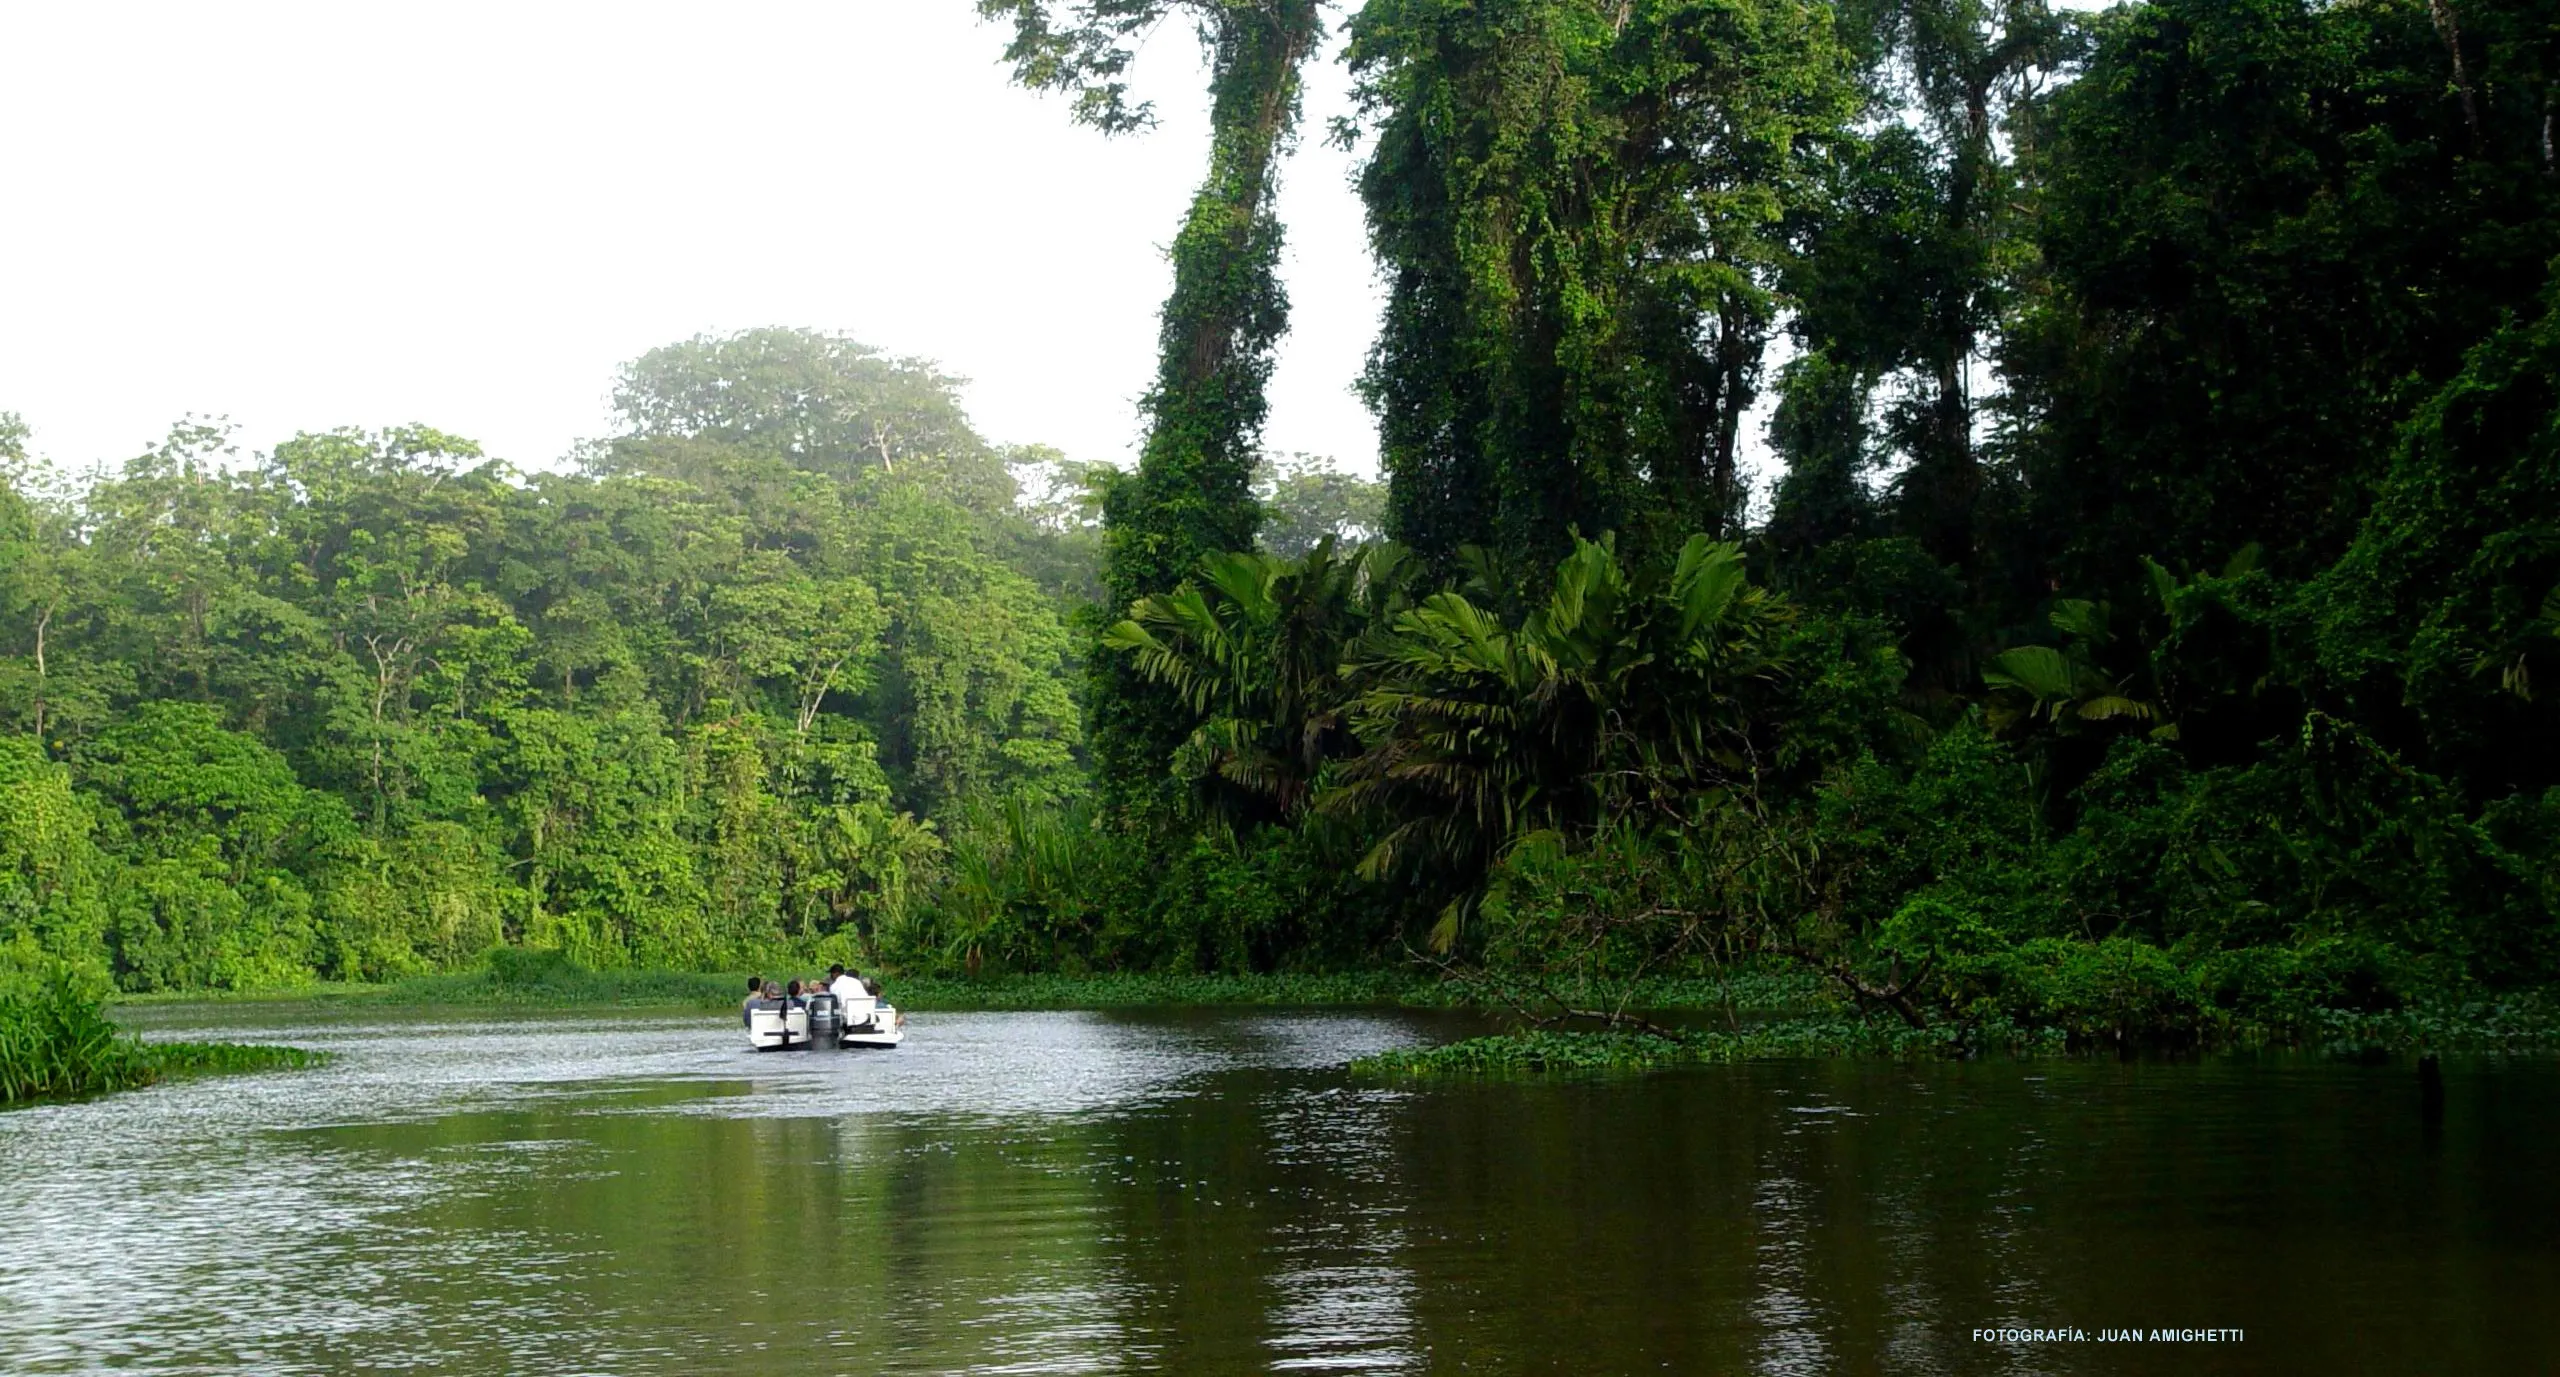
{"x":1192,"y":493}
{"x":1578,"y":207}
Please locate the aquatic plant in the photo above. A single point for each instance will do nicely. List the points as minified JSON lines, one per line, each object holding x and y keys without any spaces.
{"x":1359,"y":989}
{"x":55,"y":1040}
{"x":171,"y":1060}
{"x":1545,"y":1050}
{"x":2523,"y":1023}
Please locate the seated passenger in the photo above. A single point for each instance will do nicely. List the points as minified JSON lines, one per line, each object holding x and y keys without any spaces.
{"x":857,"y":1001}
{"x":755,"y":991}
{"x":791,"y":996}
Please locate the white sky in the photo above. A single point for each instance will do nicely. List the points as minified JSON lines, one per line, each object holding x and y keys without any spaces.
{"x":468,"y":214}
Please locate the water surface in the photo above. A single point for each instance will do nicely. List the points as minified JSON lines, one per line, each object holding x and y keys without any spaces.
{"x":1209,"y":1193}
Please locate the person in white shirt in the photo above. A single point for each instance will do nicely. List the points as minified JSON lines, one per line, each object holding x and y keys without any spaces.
{"x":856,"y":1002}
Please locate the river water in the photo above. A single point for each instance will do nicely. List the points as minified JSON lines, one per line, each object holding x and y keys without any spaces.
{"x":1209,"y":1193}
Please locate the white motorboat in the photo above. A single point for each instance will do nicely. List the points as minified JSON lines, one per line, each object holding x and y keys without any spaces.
{"x":821,"y":1022}
{"x":870,"y":1022}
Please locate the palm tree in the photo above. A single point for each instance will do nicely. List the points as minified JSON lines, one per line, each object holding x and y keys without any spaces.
{"x":1627,"y":691}
{"x":1255,"y":646}
{"x":2066,"y":686}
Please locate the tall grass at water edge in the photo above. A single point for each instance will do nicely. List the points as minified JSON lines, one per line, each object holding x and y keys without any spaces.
{"x":56,"y":1042}
{"x":521,"y":977}
{"x":513,"y":976}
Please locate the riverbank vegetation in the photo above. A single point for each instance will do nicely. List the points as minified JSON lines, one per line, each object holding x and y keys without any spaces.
{"x":2145,"y":637}
{"x":2520,"y":1024}
{"x":56,"y":1042}
{"x":539,"y":979}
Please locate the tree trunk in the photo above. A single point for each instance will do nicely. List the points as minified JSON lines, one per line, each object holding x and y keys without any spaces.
{"x":44,"y":619}
{"x":2548,"y":169}
{"x":1722,"y":486}
{"x":1192,"y":494}
{"x":2451,"y":33}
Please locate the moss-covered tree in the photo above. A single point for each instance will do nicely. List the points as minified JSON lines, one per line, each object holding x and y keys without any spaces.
{"x":1192,"y":492}
{"x":1578,"y":208}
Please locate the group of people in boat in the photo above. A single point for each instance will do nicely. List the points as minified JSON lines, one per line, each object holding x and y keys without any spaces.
{"x":856,"y":997}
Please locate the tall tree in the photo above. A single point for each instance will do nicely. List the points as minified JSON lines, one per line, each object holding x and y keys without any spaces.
{"x":1924,"y":235}
{"x":1192,"y":493}
{"x":801,"y":399}
{"x":31,"y":590}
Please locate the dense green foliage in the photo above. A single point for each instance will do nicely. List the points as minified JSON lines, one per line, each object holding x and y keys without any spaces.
{"x":2143,"y":643}
{"x":2222,"y":634}
{"x":2149,"y":640}
{"x":786,"y":670}
{"x":371,"y":704}
{"x":2268,"y":236}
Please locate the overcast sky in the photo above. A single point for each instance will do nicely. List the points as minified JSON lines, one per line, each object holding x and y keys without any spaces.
{"x":465,"y":214}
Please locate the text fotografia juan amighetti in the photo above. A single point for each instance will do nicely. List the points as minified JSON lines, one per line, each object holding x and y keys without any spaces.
{"x":2070,"y":1335}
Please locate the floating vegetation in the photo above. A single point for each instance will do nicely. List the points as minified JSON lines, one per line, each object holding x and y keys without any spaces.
{"x":1540,"y":1050}
{"x":2527,"y":1022}
{"x":1122,"y":990}
{"x":172,"y":1060}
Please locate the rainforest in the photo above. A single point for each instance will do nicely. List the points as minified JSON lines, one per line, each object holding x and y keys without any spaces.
{"x":2012,"y":526}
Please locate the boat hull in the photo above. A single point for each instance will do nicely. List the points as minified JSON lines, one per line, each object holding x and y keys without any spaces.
{"x":882,"y":1028}
{"x":793,"y":1030}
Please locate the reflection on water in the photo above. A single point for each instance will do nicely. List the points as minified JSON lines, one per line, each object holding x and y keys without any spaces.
{"x":1038,"y":1193}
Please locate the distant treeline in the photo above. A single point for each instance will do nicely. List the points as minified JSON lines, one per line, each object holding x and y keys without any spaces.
{"x":371,"y":704}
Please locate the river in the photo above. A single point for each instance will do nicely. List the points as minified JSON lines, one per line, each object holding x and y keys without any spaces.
{"x":1210,"y":1193}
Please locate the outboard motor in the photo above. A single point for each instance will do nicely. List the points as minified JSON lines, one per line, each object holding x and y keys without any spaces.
{"x":826,"y":1022}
